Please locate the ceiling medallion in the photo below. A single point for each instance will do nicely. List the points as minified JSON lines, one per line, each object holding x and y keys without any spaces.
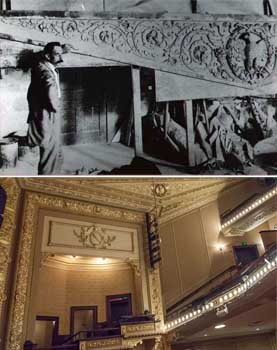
{"x":159,"y":190}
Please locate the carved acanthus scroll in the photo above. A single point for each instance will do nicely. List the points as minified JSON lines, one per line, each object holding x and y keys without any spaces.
{"x":232,"y":51}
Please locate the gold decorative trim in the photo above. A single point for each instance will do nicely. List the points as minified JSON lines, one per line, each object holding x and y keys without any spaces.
{"x":135,"y":194}
{"x":7,"y":232}
{"x":138,"y":329}
{"x":156,"y":297}
{"x":101,"y":344}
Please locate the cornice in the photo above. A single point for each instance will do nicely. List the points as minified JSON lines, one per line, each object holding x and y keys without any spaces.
{"x":183,"y":195}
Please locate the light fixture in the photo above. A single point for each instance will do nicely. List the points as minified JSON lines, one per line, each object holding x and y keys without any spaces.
{"x":248,"y":282}
{"x":100,"y":261}
{"x":220,"y":326}
{"x":220,"y":247}
{"x":252,"y":206}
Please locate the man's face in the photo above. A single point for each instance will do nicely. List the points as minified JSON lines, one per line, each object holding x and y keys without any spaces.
{"x":56,"y":55}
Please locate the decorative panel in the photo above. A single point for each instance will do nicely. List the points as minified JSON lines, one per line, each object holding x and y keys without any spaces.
{"x":237,"y":51}
{"x":66,"y":236}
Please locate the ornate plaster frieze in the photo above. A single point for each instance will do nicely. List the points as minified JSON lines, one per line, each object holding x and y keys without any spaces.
{"x":182,"y":195}
{"x":138,"y":330}
{"x":156,"y":297}
{"x":238,"y":51}
{"x":117,"y":343}
{"x":92,"y":191}
{"x":7,"y":232}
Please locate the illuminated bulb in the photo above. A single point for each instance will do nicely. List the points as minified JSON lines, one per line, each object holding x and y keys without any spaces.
{"x":265,"y":269}
{"x":211,"y":304}
{"x":190,"y":315}
{"x":230,"y":295}
{"x":183,"y":318}
{"x":207,"y":307}
{"x":266,"y":196}
{"x":254,"y":278}
{"x":199,"y":311}
{"x":273,"y":263}
{"x":239,"y":290}
{"x":187,"y":317}
{"x":225,"y":297}
{"x":251,"y":280}
{"x":258,"y":274}
{"x":221,"y":300}
{"x":194,"y":313}
{"x":179,"y":320}
{"x":260,"y":201}
{"x":219,"y":326}
{"x":235,"y":292}
{"x":175,"y":322}
{"x":261,"y":272}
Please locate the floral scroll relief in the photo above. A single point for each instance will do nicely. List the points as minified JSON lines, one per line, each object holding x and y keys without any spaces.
{"x":94,"y":237}
{"x":233,"y":51}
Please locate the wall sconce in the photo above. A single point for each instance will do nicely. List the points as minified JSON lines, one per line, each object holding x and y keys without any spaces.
{"x":220,"y":247}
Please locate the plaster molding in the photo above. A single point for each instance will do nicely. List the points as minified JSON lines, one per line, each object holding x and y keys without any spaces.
{"x":7,"y":232}
{"x":183,"y":195}
{"x":237,"y":51}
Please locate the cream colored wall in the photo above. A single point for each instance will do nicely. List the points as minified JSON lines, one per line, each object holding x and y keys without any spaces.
{"x":51,"y":295}
{"x":91,"y":288}
{"x":57,"y":290}
{"x":190,"y":254}
{"x":272,"y":223}
{"x":256,"y":342}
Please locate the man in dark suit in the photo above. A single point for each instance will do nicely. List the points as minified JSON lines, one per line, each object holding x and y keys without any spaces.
{"x":44,"y":119}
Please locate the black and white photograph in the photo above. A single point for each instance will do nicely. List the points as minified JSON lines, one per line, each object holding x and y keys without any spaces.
{"x":128,"y":87}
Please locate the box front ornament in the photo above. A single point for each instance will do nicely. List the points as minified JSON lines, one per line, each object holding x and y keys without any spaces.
{"x":234,"y":51}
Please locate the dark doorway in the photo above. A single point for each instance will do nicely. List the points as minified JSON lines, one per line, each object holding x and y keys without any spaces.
{"x":93,"y":107}
{"x":244,"y":255}
{"x":117,"y":306}
{"x":83,"y":319}
{"x":46,"y":331}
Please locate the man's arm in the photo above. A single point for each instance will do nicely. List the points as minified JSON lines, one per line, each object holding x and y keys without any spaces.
{"x":49,"y":87}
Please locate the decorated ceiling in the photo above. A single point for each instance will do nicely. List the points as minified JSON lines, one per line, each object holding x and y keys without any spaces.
{"x":175,"y":196}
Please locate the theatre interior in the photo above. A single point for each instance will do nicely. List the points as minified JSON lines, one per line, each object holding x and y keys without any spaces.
{"x":138,"y":263}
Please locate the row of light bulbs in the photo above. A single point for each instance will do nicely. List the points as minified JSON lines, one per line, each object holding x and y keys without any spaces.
{"x":252,"y":206}
{"x":229,"y":296}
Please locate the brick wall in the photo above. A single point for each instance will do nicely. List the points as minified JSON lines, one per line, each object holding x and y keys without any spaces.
{"x":58,"y":290}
